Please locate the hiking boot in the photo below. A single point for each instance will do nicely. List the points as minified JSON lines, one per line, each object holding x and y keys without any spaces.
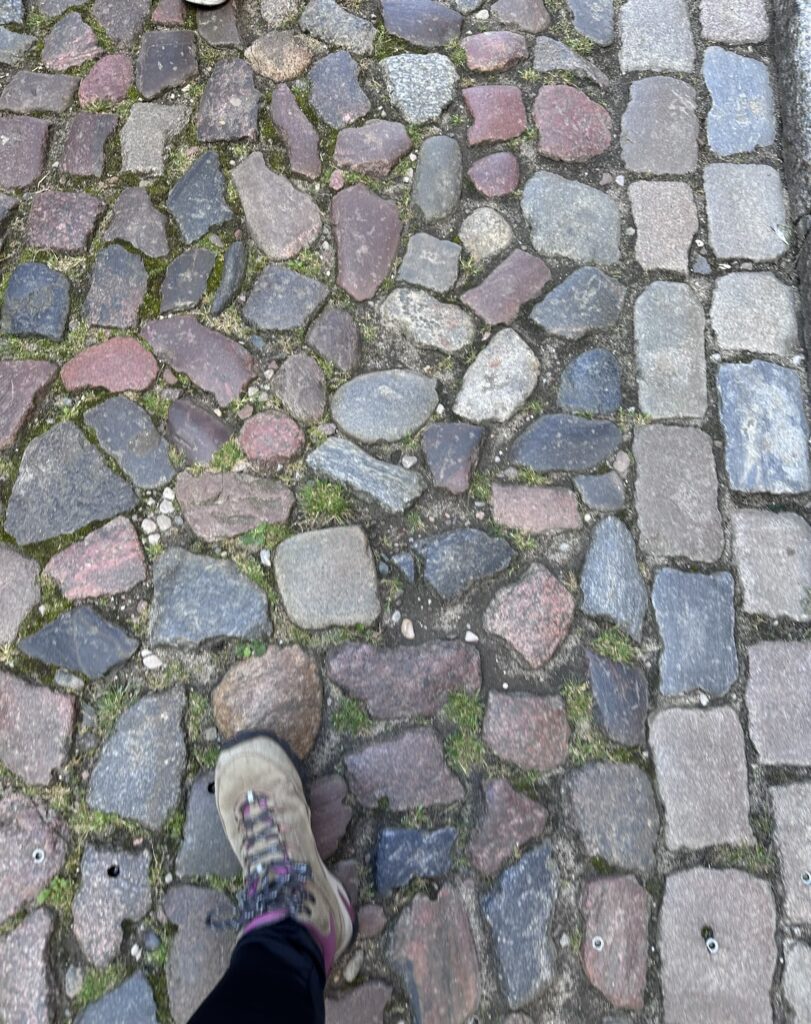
{"x":260,"y":799}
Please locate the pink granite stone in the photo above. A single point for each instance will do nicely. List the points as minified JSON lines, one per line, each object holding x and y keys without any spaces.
{"x":36,"y":727}
{"x":108,"y":81}
{"x":495,"y":175}
{"x":616,"y":912}
{"x":362,"y":1005}
{"x":62,"y":221}
{"x":330,"y":813}
{"x":298,"y":135}
{"x":510,"y":820}
{"x":533,"y":615}
{"x":271,"y":438}
{"x":570,"y":126}
{"x":535,"y":509}
{"x":169,"y":12}
{"x":118,"y":364}
{"x":494,"y":51}
{"x":107,"y":561}
{"x":497,"y":111}
{"x":22,"y":382}
{"x":499,"y":298}
{"x":526,"y":730}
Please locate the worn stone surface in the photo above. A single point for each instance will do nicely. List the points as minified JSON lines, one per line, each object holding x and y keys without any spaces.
{"x":533,"y":615}
{"x":604,"y":493}
{"x":519,"y":912}
{"x":746,"y":211}
{"x":234,"y":266}
{"x":485,"y":233}
{"x":384,"y":405}
{"x":772,"y":553}
{"x":677,"y":494}
{"x":535,"y":509}
{"x":166,"y":60}
{"x":611,"y":582}
{"x":26,"y":825}
{"x":22,"y":383}
{"x":742,"y":114}
{"x":451,"y":451}
{"x":792,"y":830}
{"x":149,"y":127}
{"x":408,"y":771}
{"x":63,"y":221}
{"x":656,"y":36}
{"x":571,"y":126}
{"x":194,"y":431}
{"x":420,"y":85}
{"x":114,"y":889}
{"x":519,"y":279}
{"x":136,"y":221}
{"x":613,"y":809}
{"x":35,"y":92}
{"x":437,"y":178}
{"x":327,"y":578}
{"x":118,"y":364}
{"x":696,"y":620}
{"x":367,"y":234}
{"x":424,"y":321}
{"x":616,"y":910}
{"x":282,"y":299}
{"x":553,"y":55}
{"x":527,"y":15}
{"x":299,"y":136}
{"x":365,"y":1002}
{"x":499,"y":381}
{"x":421,"y":22}
{"x":36,"y":302}
{"x":373,"y":148}
{"x":20,"y":591}
{"x":229,"y":108}
{"x":22,"y":155}
{"x":529,"y":731}
{"x":796,"y":974}
{"x":754,"y":312}
{"x":186,"y":280}
{"x":271,"y":439}
{"x":139,"y":770}
{"x":26,"y":986}
{"x":108,"y":81}
{"x":132,"y":1000}
{"x":591,"y":383}
{"x":403,"y":854}
{"x":218,"y":506}
{"x":571,"y":220}
{"x":278,"y":691}
{"x":335,"y":91}
{"x":330,"y":813}
{"x":117,"y":288}
{"x":620,"y":699}
{"x":197,"y":200}
{"x":125,"y":431}
{"x":777,"y":699}
{"x":660,"y":127}
{"x":390,"y":486}
{"x":205,"y":849}
{"x":494,"y":51}
{"x":454,"y":561}
{"x":495,"y":175}
{"x":430,"y":263}
{"x":332,"y":24}
{"x":734,"y":21}
{"x":281,"y":55}
{"x":36,"y":730}
{"x":739,"y":909}
{"x":510,"y":821}
{"x":666,"y":223}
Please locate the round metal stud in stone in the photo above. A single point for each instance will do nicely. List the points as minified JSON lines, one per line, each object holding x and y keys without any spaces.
{"x":597,"y":943}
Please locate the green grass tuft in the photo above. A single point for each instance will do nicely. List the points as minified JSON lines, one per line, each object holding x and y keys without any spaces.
{"x":614,"y":644}
{"x":464,"y":747}
{"x":350,"y":716}
{"x":587,"y":743}
{"x":323,"y":503}
{"x":227,"y":456}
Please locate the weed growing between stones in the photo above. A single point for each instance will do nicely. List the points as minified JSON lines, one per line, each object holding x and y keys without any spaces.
{"x":323,"y":503}
{"x":349,"y":716}
{"x":98,"y":981}
{"x":464,"y":748}
{"x":614,"y":644}
{"x":587,"y":742}
{"x":227,"y":456}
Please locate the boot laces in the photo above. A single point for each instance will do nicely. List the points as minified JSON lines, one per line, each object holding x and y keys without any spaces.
{"x":273,"y":881}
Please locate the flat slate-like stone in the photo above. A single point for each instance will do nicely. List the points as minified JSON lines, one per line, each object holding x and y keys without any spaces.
{"x":167,"y":59}
{"x":669,"y":335}
{"x":614,"y":811}
{"x":186,"y":280}
{"x":212,"y":360}
{"x":20,"y":591}
{"x":772,"y":553}
{"x":62,"y":485}
{"x":22,"y":156}
{"x":431,"y":263}
{"x":695,"y":615}
{"x":118,"y":364}
{"x":36,"y":727}
{"x":279,"y":690}
{"x":195,"y":431}
{"x":611,"y":582}
{"x":533,"y":615}
{"x":337,"y":27}
{"x":620,"y":699}
{"x":373,"y":148}
{"x":525,"y":730}
{"x":734,"y":21}
{"x":424,"y":23}
{"x":219,"y":506}
{"x":367,"y":235}
{"x":735,"y":983}
{"x":282,"y":299}
{"x":229,"y":107}
{"x":518,"y":280}
{"x":666,"y":222}
{"x":741,"y":117}
{"x":114,"y":888}
{"x":22,"y":383}
{"x":660,"y":127}
{"x":298,"y":135}
{"x":389,"y":485}
{"x":437,"y":182}
{"x":563,"y":442}
{"x":404,"y":854}
{"x":108,"y":81}
{"x":591,"y":383}
{"x":198,"y":598}
{"x":755,"y":312}
{"x":218,"y":25}
{"x":69,"y":43}
{"x":604,"y":492}
{"x":451,"y":452}
{"x":407,"y":771}
{"x":585,"y":301}
{"x":282,"y":220}
{"x":765,"y":426}
{"x":594,"y":19}
{"x":746,"y":211}
{"x":81,"y":641}
{"x":656,"y":36}
{"x":616,"y":910}
{"x":26,"y":989}
{"x":454,"y":561}
{"x":499,"y":381}
{"x":301,"y":387}
{"x":385,"y":405}
{"x":197,"y":200}
{"x":423,"y":321}
{"x":125,"y":431}
{"x":105,"y":562}
{"x":234,"y":266}
{"x":432,"y":950}
{"x":327,"y":578}
{"x":792,"y":832}
{"x":571,"y":220}
{"x":778,"y":700}
{"x":519,"y":911}
{"x":14,"y":46}
{"x":335,"y":92}
{"x":401,"y":682}
{"x":334,"y":335}
{"x":526,"y":15}
{"x":534,"y":509}
{"x":117,"y":288}
{"x":25,"y":826}
{"x":702,"y":808}
{"x":121,"y":19}
{"x":420,"y":85}
{"x":35,"y":92}
{"x":139,"y":771}
{"x":36,"y":302}
{"x":132,"y":1001}
{"x":136,"y":221}
{"x":677,"y":494}
{"x":553,"y":55}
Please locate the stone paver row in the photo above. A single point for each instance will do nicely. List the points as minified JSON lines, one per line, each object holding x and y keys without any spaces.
{"x":423,"y":383}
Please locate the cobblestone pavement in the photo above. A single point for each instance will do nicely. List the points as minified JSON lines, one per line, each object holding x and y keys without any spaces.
{"x":422,"y":383}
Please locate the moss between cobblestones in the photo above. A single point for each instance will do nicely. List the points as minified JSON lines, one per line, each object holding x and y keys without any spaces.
{"x":587,"y":742}
{"x":614,"y":644}
{"x":98,"y":981}
{"x":323,"y":503}
{"x":349,"y":716}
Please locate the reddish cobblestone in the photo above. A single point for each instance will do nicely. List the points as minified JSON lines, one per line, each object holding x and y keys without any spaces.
{"x":570,"y":126}
{"x":497,"y":111}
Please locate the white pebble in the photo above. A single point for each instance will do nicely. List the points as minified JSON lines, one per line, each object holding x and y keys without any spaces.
{"x":408,"y":461}
{"x":470,"y":637}
{"x":164,"y":523}
{"x":152,"y":663}
{"x":168,"y":493}
{"x":440,"y":409}
{"x":264,"y":557}
{"x":407,"y":629}
{"x":352,"y":969}
{"x":703,"y":699}
{"x":153,"y":539}
{"x":166,"y":507}
{"x":149,"y":526}
{"x":396,"y":615}
{"x":482,"y":15}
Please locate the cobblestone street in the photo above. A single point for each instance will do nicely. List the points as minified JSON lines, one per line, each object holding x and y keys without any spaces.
{"x":423,"y":383}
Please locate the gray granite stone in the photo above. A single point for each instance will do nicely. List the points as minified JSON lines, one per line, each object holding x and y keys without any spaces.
{"x":420,"y":85}
{"x":571,"y":220}
{"x":611,"y":582}
{"x":423,"y":321}
{"x":613,"y":809}
{"x":797,"y":980}
{"x":25,"y":826}
{"x":136,"y":220}
{"x":742,"y":114}
{"x":587,"y":300}
{"x":27,"y":991}
{"x":746,"y":211}
{"x":677,"y":494}
{"x":197,"y":200}
{"x":403,"y":854}
{"x":138,"y":772}
{"x":327,"y":578}
{"x":454,"y":561}
{"x":131,"y":1001}
{"x":763,"y":416}
{"x":437,"y":178}
{"x":407,"y":770}
{"x":755,"y":312}
{"x":334,"y":335}
{"x":772,"y":553}
{"x":114,"y":889}
{"x":669,"y":335}
{"x":498,"y":382}
{"x":12,"y":12}
{"x":666,"y":223}
{"x":422,"y":22}
{"x":735,"y":983}
{"x":563,"y":442}
{"x":35,"y":92}
{"x":121,"y":19}
{"x":695,"y":614}
{"x":553,"y":55}
{"x":430,"y":262}
{"x":792,"y":827}
{"x":734,"y":21}
{"x":485,"y":233}
{"x":148,"y":129}
{"x":186,"y":280}
{"x":594,"y":19}
{"x":36,"y":302}
{"x":301,"y":387}
{"x":660,"y":127}
{"x":63,"y":484}
{"x":337,"y":27}
{"x":706,"y":800}
{"x":20,"y":591}
{"x":125,"y":431}
{"x":81,"y":641}
{"x":384,"y":405}
{"x":389,"y":485}
{"x":335,"y":92}
{"x":282,"y":299}
{"x":655,"y":36}
{"x":519,"y":911}
{"x":621,"y":699}
{"x":205,"y":849}
{"x":118,"y":286}
{"x":778,"y":700}
{"x":604,"y":492}
{"x":591,"y":383}
{"x":14,"y":46}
